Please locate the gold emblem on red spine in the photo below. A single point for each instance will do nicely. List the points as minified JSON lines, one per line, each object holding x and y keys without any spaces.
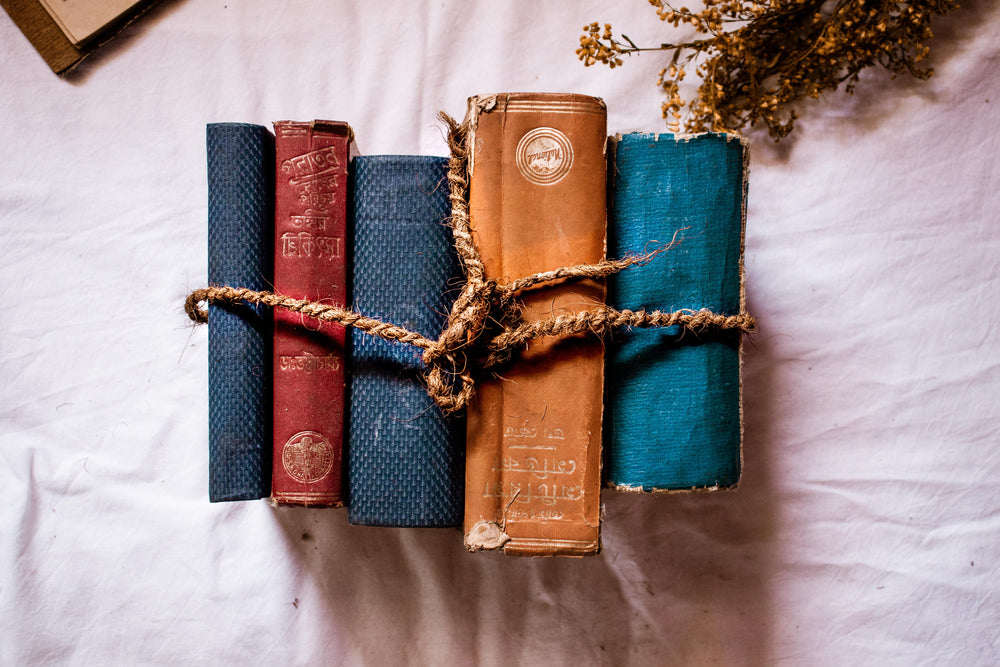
{"x":307,"y":457}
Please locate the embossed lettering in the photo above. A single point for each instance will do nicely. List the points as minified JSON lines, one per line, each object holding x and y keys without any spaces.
{"x":511,"y":492}
{"x":304,"y":244}
{"x":309,"y":363}
{"x":310,"y":220}
{"x":317,"y":198}
{"x":311,"y":166}
{"x":544,"y":156}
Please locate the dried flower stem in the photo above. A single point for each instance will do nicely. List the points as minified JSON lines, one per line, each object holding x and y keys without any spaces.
{"x":759,"y":57}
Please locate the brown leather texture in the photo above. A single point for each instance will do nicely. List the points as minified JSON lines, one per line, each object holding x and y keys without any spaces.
{"x":537,"y":202}
{"x":310,"y":262}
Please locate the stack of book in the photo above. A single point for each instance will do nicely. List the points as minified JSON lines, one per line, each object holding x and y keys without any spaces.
{"x":308,"y":414}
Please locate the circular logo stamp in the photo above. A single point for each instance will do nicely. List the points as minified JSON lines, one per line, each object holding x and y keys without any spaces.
{"x":544,"y":155}
{"x":307,"y":457}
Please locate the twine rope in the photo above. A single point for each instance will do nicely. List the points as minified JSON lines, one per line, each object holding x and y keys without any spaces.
{"x":484,"y":327}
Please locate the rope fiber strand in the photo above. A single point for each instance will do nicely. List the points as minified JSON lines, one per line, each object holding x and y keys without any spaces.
{"x":484,"y":327}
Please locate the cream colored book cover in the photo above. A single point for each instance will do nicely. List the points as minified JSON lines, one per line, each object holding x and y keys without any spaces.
{"x":80,"y":20}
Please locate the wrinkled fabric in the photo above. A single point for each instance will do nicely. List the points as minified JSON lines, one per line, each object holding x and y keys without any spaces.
{"x":866,"y":528}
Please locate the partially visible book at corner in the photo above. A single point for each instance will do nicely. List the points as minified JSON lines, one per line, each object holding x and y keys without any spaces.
{"x":406,"y":458}
{"x":240,"y":247}
{"x":537,"y":202}
{"x":310,"y":262}
{"x":673,"y":409}
{"x":64,"y":32}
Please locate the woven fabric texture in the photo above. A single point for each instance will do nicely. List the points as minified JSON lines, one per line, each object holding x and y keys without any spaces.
{"x":673,"y":401}
{"x":240,"y":247}
{"x":405,"y":459}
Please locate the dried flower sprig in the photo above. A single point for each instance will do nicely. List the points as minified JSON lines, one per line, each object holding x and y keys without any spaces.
{"x":757,"y":58}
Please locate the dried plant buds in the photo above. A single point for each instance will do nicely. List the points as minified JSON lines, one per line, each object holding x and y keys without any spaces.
{"x":757,"y":58}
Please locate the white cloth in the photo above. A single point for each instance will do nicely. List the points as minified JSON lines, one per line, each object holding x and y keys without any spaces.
{"x":867,"y":526}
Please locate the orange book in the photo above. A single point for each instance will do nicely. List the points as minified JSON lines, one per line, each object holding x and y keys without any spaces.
{"x":537,"y":202}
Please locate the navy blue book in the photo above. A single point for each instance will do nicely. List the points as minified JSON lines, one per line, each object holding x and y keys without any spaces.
{"x":406,"y":460}
{"x":240,"y":252}
{"x":673,"y":402}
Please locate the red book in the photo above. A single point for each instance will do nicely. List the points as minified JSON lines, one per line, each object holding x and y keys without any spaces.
{"x":310,"y":211}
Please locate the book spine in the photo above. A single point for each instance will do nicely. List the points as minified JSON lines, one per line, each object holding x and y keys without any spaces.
{"x":674,"y":407}
{"x":537,"y":202}
{"x":240,"y":247}
{"x":405,"y":458}
{"x":310,"y":262}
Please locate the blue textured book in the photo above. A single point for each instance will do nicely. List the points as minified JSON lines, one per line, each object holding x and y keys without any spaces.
{"x":405,"y":458}
{"x":673,"y":401}
{"x":240,"y":250}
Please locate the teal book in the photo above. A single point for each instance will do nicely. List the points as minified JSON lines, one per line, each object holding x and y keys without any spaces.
{"x":673,"y":401}
{"x":406,"y":460}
